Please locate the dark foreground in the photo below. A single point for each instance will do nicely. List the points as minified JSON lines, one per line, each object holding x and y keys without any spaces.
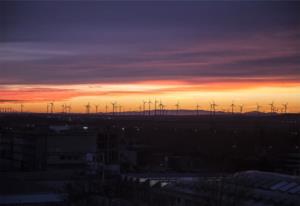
{"x":71,"y":159}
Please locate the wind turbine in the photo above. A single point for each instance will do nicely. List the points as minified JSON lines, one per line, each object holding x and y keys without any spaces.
{"x":164,"y":110}
{"x":241,"y":108}
{"x":96,"y":108}
{"x":285,"y":107}
{"x":257,"y":107}
{"x":51,"y":107}
{"x":149,"y":105}
{"x":213,"y":106}
{"x":197,"y":108}
{"x":161,"y":106}
{"x":22,"y":107}
{"x":232,"y":107}
{"x":88,"y":107}
{"x":177,"y":108}
{"x":144,"y":107}
{"x":155,"y":107}
{"x":120,"y":109}
{"x":113,"y":107}
{"x":106,"y":108}
{"x":68,"y":109}
{"x":63,"y":108}
{"x":272,"y":107}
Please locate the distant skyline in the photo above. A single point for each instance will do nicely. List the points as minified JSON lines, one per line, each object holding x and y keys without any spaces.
{"x":193,"y":52}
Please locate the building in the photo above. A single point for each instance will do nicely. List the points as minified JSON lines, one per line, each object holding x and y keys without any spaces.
{"x":22,"y":149}
{"x":72,"y":148}
{"x":290,"y":163}
{"x":20,"y":193}
{"x":249,"y":188}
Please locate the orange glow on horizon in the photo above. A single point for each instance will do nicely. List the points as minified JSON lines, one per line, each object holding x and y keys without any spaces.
{"x":130,"y":96}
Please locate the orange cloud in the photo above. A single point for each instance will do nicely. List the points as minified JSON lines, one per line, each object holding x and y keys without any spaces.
{"x":36,"y":94}
{"x":21,"y":93}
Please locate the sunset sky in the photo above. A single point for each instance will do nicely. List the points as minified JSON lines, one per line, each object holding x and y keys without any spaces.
{"x":191,"y":52}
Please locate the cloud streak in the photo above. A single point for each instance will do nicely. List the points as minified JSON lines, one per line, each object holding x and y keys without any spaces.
{"x":260,"y":56}
{"x":48,"y":52}
{"x":36,"y":93}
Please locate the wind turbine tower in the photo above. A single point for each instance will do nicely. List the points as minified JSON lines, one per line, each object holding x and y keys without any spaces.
{"x":63,"y":108}
{"x":197,"y":108}
{"x":164,"y":110}
{"x":232,"y":107}
{"x":177,"y":108}
{"x":241,"y":108}
{"x":213,"y":108}
{"x":87,"y":108}
{"x":120,"y":109}
{"x":51,"y":107}
{"x":272,"y":108}
{"x":113,"y":107}
{"x":68,"y":109}
{"x":144,"y":107}
{"x":149,"y":107}
{"x":155,"y":107}
{"x":161,"y":108}
{"x":22,"y":107}
{"x":257,"y":107}
{"x":285,"y":107}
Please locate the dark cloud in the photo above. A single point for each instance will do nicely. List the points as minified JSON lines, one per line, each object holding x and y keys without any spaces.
{"x":100,"y":42}
{"x":9,"y":101}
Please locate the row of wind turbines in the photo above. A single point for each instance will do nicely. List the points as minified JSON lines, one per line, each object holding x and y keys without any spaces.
{"x":273,"y":108}
{"x":159,"y":108}
{"x":145,"y":108}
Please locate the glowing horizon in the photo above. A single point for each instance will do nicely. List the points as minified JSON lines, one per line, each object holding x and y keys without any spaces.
{"x":191,"y":52}
{"x":130,"y":96}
